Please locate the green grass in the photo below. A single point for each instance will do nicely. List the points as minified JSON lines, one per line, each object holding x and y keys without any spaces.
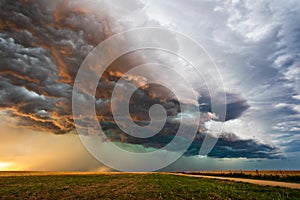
{"x":134,"y":186}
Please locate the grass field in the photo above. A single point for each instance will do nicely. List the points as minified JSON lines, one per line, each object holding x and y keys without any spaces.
{"x":257,"y":172}
{"x":133,"y":186}
{"x":283,"y":176}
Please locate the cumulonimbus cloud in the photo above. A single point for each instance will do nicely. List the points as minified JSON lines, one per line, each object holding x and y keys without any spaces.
{"x":42,"y":46}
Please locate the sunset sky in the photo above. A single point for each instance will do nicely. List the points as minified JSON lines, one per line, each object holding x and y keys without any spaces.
{"x":254,"y":44}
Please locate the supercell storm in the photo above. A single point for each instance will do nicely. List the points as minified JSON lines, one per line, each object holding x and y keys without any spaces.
{"x":42,"y":45}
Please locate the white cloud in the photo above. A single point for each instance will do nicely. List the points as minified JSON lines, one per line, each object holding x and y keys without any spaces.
{"x":255,"y":45}
{"x":297,"y":97}
{"x":294,"y":107}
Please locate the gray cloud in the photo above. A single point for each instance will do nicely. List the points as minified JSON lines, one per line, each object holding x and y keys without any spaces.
{"x":229,"y":145}
{"x":42,"y":45}
{"x":235,"y":105}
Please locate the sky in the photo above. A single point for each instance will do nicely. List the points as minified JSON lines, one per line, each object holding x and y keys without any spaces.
{"x":254,"y":44}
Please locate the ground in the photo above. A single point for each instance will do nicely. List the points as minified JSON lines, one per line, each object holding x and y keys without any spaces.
{"x":133,"y":186}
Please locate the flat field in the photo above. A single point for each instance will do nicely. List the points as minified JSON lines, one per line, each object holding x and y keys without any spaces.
{"x":279,"y":175}
{"x":31,"y":185}
{"x":258,"y":172}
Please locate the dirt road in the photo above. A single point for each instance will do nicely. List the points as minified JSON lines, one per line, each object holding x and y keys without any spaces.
{"x":253,"y":181}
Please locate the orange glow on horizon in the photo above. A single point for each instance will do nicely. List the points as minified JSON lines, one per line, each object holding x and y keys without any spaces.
{"x":8,"y":166}
{"x":5,"y":165}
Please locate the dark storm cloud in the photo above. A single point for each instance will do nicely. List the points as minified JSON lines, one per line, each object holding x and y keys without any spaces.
{"x":41,"y":49}
{"x":235,"y":105}
{"x":42,"y":45}
{"x":229,"y":145}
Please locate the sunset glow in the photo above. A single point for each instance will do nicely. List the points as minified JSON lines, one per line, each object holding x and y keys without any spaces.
{"x":6,"y":166}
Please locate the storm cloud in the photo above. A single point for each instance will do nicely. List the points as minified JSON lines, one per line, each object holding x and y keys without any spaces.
{"x":42,"y":45}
